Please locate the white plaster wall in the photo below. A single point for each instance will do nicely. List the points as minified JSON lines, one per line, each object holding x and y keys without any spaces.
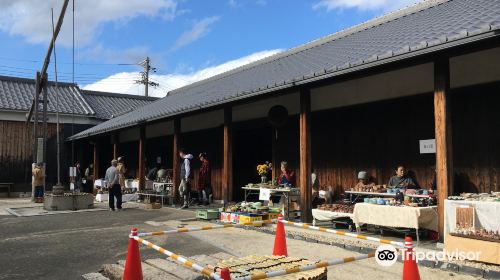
{"x":259,"y":109}
{"x":399,"y":83}
{"x":202,"y":121}
{"x":160,"y":129}
{"x":129,"y":135}
{"x":475,"y":68}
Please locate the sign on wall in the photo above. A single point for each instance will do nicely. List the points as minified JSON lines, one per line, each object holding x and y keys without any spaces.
{"x":428,"y":146}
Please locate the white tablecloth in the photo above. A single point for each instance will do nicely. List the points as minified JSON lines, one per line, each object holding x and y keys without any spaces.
{"x":323,"y":215}
{"x":126,"y":197}
{"x":100,"y":183}
{"x":396,"y":216}
{"x":132,"y":184}
{"x":487,"y":214}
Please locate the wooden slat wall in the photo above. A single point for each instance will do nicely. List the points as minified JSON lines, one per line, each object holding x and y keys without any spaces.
{"x":16,"y":152}
{"x":476,"y":138}
{"x":373,"y":137}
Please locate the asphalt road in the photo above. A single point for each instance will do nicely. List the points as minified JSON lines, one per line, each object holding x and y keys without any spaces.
{"x":66,"y":246}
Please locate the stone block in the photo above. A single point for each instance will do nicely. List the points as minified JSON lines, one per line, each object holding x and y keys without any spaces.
{"x":112,"y":271}
{"x":94,"y":276}
{"x":175,"y":269}
{"x":150,"y":272}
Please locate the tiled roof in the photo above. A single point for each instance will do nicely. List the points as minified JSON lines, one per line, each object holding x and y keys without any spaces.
{"x":433,"y":23}
{"x":109,"y":105}
{"x":16,"y":94}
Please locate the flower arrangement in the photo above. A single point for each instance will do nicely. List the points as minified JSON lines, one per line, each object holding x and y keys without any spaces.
{"x":263,"y":169}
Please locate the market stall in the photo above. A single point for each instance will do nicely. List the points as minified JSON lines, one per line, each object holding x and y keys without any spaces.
{"x":396,"y":216}
{"x":162,"y":191}
{"x":472,"y":224}
{"x":288,"y":196}
{"x":335,"y":213}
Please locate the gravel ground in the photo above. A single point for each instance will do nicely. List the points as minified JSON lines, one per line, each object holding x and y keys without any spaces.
{"x":241,"y":242}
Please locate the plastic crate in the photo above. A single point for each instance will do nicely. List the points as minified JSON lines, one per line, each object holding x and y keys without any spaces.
{"x":249,"y":218}
{"x":206,"y":214}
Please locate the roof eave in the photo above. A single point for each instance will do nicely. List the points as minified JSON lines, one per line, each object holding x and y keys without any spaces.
{"x":392,"y":59}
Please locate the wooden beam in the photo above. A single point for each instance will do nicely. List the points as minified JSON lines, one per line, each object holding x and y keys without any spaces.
{"x":142,"y":147}
{"x":274,"y":148}
{"x":227,"y":171}
{"x":175,"y":155}
{"x":305,"y":156}
{"x":95,"y":162}
{"x":115,"y":145}
{"x":444,"y":148}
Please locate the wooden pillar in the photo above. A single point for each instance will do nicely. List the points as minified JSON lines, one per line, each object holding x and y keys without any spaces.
{"x":115,"y":142}
{"x":227,"y":171}
{"x":175,"y":155}
{"x":305,"y":156}
{"x":95,"y":162}
{"x":274,"y":148}
{"x":142,"y":147}
{"x":444,"y":148}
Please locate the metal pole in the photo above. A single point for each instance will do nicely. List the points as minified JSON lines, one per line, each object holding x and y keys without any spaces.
{"x":146,"y":85}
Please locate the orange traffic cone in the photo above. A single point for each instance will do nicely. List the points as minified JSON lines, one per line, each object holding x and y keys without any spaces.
{"x":133,"y":268}
{"x":280,"y":240}
{"x":410,"y":268}
{"x":224,"y":274}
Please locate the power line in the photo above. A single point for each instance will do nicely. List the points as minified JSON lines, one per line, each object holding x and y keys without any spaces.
{"x":76,"y":63}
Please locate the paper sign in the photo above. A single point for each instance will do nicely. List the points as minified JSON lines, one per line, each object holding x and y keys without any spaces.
{"x":264,"y":194}
{"x":428,"y":146}
{"x":72,"y":172}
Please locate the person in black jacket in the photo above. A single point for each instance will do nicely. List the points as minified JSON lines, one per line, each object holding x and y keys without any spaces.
{"x":186,"y":177}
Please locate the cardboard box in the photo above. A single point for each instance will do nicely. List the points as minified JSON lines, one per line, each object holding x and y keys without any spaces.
{"x":490,"y":251}
{"x":152,"y":205}
{"x":225,"y":217}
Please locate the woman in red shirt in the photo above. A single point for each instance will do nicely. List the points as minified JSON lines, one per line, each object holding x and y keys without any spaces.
{"x":287,"y":176}
{"x":204,"y":180}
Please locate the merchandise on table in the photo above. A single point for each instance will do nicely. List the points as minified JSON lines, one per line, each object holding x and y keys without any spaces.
{"x":370,"y":188}
{"x":472,"y":224}
{"x":482,"y":234}
{"x":340,"y":208}
{"x":242,"y":267}
{"x":491,"y":197}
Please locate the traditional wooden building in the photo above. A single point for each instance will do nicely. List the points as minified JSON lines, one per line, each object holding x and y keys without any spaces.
{"x":359,"y":99}
{"x":78,"y":110}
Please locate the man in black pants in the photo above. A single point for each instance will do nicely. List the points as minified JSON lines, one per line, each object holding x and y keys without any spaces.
{"x":114,"y":188}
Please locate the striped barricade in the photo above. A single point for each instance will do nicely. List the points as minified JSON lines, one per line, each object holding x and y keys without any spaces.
{"x":191,"y":229}
{"x":181,"y":259}
{"x":321,"y":264}
{"x":338,"y":232}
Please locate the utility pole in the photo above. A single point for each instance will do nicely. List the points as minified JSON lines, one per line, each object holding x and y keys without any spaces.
{"x":41,"y":83}
{"x":145,"y":76}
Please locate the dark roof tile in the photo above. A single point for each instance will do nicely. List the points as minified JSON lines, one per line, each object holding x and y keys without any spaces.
{"x":427,"y":24}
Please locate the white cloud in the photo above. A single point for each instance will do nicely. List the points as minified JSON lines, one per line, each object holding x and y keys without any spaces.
{"x":385,"y":5}
{"x":199,"y":29}
{"x":31,"y":19}
{"x":124,"y":82}
{"x":100,"y":53}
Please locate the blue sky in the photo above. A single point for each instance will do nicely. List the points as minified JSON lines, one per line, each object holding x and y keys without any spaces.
{"x":187,"y":40}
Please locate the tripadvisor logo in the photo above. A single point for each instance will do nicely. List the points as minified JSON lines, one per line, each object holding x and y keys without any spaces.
{"x":386,"y":255}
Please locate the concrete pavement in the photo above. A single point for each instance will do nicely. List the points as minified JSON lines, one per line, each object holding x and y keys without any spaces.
{"x":68,"y":245}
